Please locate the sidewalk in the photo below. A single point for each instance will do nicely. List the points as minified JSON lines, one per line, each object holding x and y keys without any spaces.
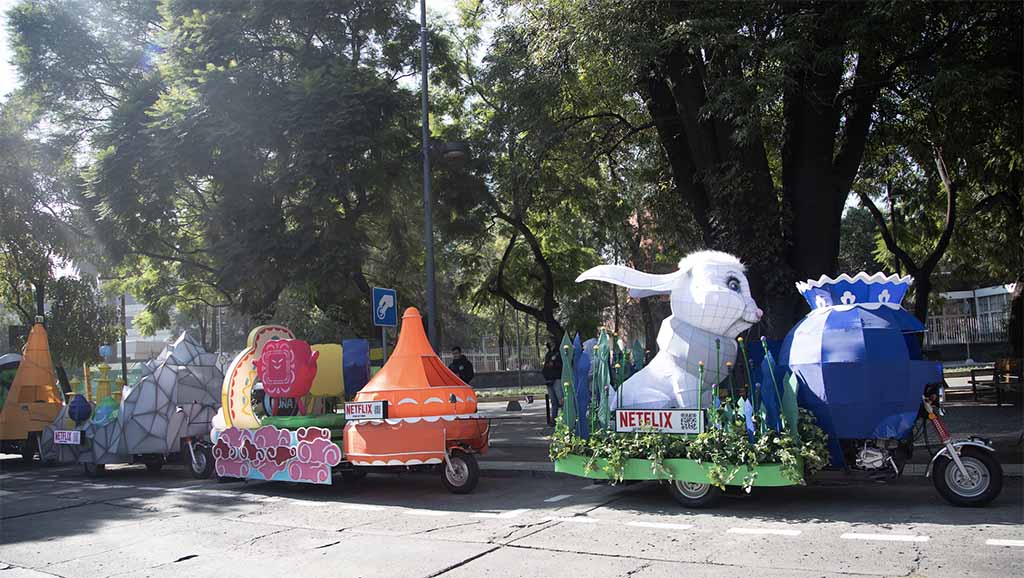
{"x":519,"y":439}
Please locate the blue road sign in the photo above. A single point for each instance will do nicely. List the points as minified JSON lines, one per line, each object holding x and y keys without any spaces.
{"x":385,"y":307}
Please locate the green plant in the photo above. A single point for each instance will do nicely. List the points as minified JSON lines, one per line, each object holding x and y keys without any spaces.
{"x":726,"y":448}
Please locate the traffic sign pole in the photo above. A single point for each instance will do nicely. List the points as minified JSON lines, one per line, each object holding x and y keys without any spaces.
{"x":383,"y":344}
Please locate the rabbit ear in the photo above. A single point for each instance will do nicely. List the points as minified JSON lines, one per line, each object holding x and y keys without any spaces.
{"x":641,"y":284}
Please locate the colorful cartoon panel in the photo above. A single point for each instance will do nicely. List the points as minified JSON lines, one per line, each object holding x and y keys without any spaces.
{"x":304,"y":455}
{"x":241,"y":376}
{"x":328,"y":381}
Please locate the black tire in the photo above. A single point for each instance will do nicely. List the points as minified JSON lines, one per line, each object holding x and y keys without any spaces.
{"x":694,"y":495}
{"x":201,"y":467}
{"x":94,"y":470}
{"x":154,"y":466}
{"x":984,"y":485}
{"x":29,"y":447}
{"x":461,"y":474}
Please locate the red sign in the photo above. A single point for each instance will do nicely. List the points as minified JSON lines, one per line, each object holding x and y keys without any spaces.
{"x":286,"y":368}
{"x":678,"y":421}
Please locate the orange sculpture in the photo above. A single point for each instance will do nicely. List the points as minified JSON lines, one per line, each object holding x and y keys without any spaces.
{"x":34,"y":399}
{"x":430,"y":411}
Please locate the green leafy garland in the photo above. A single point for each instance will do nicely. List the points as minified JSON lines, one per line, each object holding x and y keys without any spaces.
{"x":725,"y":446}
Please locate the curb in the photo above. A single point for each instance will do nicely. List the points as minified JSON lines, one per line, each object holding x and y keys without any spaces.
{"x":496,"y":469}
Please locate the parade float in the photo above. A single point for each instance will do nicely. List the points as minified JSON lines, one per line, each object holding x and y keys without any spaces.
{"x":165,"y":416}
{"x":848,"y":390}
{"x":30,"y":397}
{"x":413,"y":414}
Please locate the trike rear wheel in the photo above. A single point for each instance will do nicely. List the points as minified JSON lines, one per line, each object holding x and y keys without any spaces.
{"x":461,"y":473}
{"x":694,"y":494}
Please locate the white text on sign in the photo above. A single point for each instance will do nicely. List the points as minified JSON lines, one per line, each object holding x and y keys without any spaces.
{"x":67,"y":437}
{"x":678,"y":421}
{"x":365,"y":410}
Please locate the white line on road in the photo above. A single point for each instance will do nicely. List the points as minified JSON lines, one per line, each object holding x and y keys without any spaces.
{"x":764,"y":531}
{"x":572,"y":519}
{"x":660,"y":525}
{"x":994,"y":542}
{"x":885,"y":537}
{"x":434,"y":513}
{"x":502,"y":515}
{"x":366,"y":507}
{"x":558,"y":498}
{"x":593,"y":486}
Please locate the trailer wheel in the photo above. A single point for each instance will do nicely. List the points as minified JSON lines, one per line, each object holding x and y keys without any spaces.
{"x":201,"y":467}
{"x":694,"y":494}
{"x":94,"y":470}
{"x":983,"y":483}
{"x":154,"y":466}
{"x":461,"y":473}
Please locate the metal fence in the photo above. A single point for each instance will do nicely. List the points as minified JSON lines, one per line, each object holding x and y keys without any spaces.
{"x":963,"y":329}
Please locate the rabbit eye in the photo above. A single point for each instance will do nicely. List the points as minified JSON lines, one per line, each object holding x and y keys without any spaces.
{"x":734,"y":284}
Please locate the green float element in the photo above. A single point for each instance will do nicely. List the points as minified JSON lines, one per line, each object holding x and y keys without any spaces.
{"x":569,"y":414}
{"x":602,"y":377}
{"x":639,"y":356}
{"x":329,"y":421}
{"x":790,"y":409}
{"x":769,"y":475}
{"x":620,"y":366}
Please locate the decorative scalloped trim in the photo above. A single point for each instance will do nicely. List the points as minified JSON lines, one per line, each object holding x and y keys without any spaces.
{"x":868,"y":306}
{"x":430,"y":400}
{"x":412,"y":462}
{"x":426,"y":418}
{"x":406,"y":400}
{"x":877,"y":278}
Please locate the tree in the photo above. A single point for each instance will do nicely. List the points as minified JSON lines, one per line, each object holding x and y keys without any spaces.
{"x":857,"y":243}
{"x":763,"y":110}
{"x":239,"y":150}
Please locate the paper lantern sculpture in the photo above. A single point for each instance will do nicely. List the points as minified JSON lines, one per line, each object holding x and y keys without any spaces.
{"x":287,"y":367}
{"x":429,"y":409}
{"x":711,"y":306}
{"x":856,"y":359}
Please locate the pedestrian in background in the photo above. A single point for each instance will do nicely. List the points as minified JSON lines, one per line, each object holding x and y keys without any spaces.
{"x":552,"y":372}
{"x":461,"y":366}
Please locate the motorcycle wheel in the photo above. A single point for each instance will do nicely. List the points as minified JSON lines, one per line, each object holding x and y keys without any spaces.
{"x":982,"y":485}
{"x":693,"y":494}
{"x":201,"y":467}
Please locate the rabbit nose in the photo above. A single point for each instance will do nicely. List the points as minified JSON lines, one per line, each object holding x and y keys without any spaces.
{"x":759,"y":313}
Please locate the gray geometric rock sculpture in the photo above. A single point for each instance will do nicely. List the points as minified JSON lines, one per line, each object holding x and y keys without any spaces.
{"x":177,"y":396}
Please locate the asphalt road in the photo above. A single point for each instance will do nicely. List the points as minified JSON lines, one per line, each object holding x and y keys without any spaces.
{"x":54,"y":521}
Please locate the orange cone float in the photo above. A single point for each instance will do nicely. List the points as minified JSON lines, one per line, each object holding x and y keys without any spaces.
{"x":430,"y":411}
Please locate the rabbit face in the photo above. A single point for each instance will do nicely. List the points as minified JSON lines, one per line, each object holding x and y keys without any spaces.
{"x":715,"y":297}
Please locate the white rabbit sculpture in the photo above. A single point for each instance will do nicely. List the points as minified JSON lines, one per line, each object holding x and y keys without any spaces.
{"x":711,"y":300}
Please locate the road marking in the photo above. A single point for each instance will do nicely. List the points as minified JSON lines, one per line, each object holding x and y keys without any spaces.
{"x":885,"y":537}
{"x":764,"y":531}
{"x":365,"y":507}
{"x":434,"y":513}
{"x":1019,"y":543}
{"x":502,"y":515}
{"x":593,"y":486}
{"x":572,"y":519}
{"x":660,"y":525}
{"x":150,"y":488}
{"x":558,"y":498}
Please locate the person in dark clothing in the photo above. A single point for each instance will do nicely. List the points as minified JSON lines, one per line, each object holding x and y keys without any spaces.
{"x":461,"y":366}
{"x":552,"y":372}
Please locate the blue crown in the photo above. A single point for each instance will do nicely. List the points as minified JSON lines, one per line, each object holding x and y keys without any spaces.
{"x":861,"y":289}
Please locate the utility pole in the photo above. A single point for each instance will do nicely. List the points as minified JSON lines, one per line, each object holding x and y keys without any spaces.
{"x":428,"y":225}
{"x":124,"y":340}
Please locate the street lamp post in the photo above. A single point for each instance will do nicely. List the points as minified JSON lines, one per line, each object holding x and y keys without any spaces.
{"x":428,"y":226}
